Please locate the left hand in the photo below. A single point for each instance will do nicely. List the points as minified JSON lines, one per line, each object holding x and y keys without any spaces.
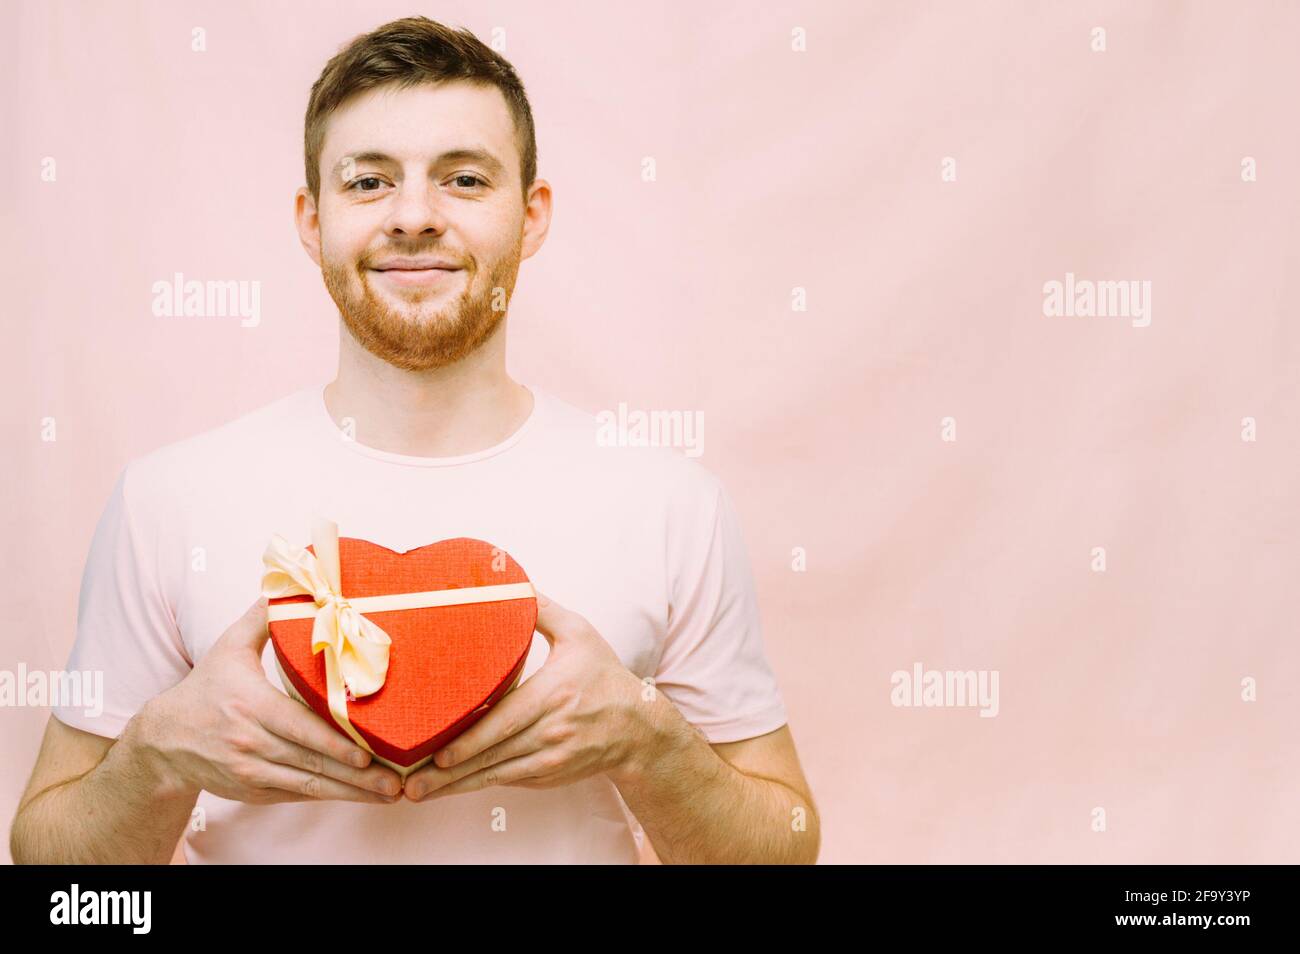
{"x":580,"y":714}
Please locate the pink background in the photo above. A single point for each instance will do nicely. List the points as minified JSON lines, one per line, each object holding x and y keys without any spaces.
{"x":779,"y":169}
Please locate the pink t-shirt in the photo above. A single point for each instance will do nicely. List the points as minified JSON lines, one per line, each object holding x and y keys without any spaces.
{"x":643,"y":542}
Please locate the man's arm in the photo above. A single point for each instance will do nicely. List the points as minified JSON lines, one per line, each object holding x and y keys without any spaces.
{"x":223,"y":728}
{"x":743,"y":802}
{"x":90,"y":801}
{"x":583,"y":712}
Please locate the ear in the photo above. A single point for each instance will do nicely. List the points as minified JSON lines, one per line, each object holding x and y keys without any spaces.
{"x":308,"y":221}
{"x":537,"y":218}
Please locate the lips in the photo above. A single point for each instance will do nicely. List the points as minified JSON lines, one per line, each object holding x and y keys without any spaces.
{"x":416,"y":271}
{"x":414,"y":263}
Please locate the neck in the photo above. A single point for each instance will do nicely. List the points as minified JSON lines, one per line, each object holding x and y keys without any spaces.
{"x":443,"y":412}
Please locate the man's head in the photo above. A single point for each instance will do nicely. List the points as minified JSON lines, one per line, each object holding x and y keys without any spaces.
{"x":422,"y":196}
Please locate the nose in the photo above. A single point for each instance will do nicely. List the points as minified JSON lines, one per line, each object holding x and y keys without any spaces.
{"x":417,"y":209}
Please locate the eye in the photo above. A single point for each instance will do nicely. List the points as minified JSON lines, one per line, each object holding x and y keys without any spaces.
{"x":355,"y":183}
{"x":471,"y":177}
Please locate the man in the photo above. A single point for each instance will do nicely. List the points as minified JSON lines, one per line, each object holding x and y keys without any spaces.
{"x":653,"y":714}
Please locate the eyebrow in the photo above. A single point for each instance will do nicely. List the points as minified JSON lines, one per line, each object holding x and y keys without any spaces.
{"x":481,"y":156}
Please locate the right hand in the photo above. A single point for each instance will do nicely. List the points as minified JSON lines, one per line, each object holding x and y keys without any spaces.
{"x":225,"y":729}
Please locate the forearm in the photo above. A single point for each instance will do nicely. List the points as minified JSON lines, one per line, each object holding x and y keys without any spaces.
{"x":120,"y":812}
{"x":698,"y":809}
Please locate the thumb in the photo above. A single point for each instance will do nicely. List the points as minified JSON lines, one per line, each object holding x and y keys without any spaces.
{"x":249,"y":631}
{"x":553,"y":620}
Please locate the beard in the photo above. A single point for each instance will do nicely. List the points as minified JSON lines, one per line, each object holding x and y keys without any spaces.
{"x":416,"y":335}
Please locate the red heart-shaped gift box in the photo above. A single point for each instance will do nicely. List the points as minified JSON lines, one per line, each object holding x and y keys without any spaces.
{"x":447,"y":665}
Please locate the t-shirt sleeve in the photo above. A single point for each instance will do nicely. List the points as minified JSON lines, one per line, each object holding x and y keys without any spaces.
{"x":713,"y":667}
{"x":127,"y":641}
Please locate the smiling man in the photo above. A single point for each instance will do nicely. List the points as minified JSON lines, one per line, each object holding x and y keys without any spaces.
{"x":647,"y":708}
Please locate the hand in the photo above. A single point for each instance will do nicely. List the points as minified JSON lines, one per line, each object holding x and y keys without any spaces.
{"x":580,"y":714}
{"x":226,"y":729}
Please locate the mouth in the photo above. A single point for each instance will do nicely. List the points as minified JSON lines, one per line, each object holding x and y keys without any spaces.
{"x":409,"y":274}
{"x":416,"y":277}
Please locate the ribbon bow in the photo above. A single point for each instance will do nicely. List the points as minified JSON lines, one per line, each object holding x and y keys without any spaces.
{"x":356,"y":650}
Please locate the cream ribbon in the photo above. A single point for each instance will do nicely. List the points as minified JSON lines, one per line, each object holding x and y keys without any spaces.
{"x":356,"y":649}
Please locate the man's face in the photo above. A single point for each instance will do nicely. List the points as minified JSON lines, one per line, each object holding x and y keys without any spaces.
{"x":421,"y":219}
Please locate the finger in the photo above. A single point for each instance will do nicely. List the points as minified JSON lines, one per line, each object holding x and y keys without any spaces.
{"x":515,"y":712}
{"x":553,"y":620}
{"x":309,"y":786}
{"x":290,"y":719}
{"x":509,"y":772}
{"x":376,"y":778}
{"x":276,"y":796}
{"x":432,"y":777}
{"x":249,"y":631}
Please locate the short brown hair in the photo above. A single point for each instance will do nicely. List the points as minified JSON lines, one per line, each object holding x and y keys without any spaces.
{"x":409,"y":52}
